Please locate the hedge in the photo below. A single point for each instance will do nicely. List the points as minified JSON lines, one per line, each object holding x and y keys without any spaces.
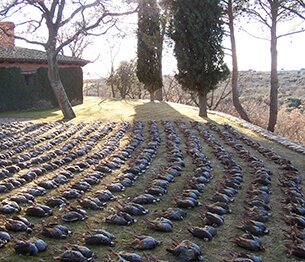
{"x":16,"y":94}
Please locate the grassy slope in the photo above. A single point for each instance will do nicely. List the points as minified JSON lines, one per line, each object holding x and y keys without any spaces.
{"x":95,"y":109}
{"x":116,"y":110}
{"x":106,"y":110}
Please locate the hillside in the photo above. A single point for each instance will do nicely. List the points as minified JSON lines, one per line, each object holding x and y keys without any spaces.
{"x":91,"y":177}
{"x":256,"y":83}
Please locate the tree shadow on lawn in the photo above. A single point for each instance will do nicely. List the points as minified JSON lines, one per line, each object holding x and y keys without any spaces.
{"x":28,"y":115}
{"x":162,"y":111}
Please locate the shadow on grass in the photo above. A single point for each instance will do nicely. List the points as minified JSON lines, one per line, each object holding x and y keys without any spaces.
{"x":159,"y":111}
{"x":32,"y":114}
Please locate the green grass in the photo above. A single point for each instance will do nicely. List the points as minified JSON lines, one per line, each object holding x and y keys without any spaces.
{"x":214,"y":251}
{"x":117,"y":110}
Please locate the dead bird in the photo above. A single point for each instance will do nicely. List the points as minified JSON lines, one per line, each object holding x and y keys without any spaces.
{"x":156,"y":190}
{"x":39,"y":211}
{"x":91,"y":203}
{"x":116,"y":187}
{"x":72,"y":194}
{"x":206,"y":233}
{"x":9,"y":207}
{"x":100,"y":237}
{"x":186,"y":251}
{"x":249,"y":242}
{"x":253,"y":227}
{"x":213,"y":219}
{"x":295,"y":233}
{"x":295,"y":220}
{"x":56,"y":231}
{"x":15,"y":225}
{"x":186,"y":202}
{"x":243,"y":257}
{"x":77,"y":253}
{"x":145,"y":199}
{"x":24,"y":198}
{"x":297,"y":250}
{"x":74,"y":215}
{"x":124,"y":256}
{"x":30,"y":248}
{"x":104,"y":195}
{"x":120,"y":218}
{"x":4,"y":238}
{"x":133,"y":209}
{"x":160,"y":224}
{"x":143,"y":242}
{"x":219,"y":197}
{"x":175,"y":214}
{"x":56,"y":202}
{"x":219,"y":208}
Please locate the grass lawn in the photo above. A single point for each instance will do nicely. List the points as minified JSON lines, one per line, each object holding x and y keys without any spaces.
{"x":216,"y":250}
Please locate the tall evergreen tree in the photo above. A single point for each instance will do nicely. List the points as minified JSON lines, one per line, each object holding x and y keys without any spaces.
{"x":149,"y":69}
{"x":197,"y":31}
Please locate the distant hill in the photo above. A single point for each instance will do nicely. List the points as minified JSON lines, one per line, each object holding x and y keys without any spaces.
{"x":257,"y":83}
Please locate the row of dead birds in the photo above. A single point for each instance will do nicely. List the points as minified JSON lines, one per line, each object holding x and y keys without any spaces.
{"x":15,"y":134}
{"x":125,"y":213}
{"x":223,"y":197}
{"x":80,"y":188}
{"x":257,"y":213}
{"x":58,"y":179}
{"x":13,"y":130}
{"x":65,"y":154}
{"x":185,"y":251}
{"x":293,"y":203}
{"x":35,"y":144}
{"x":55,"y":230}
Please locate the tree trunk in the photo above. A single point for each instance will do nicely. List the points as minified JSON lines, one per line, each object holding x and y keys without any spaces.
{"x":203,"y":104}
{"x":111,"y":82}
{"x":159,"y":95}
{"x":152,"y":96}
{"x":235,"y":95}
{"x":274,"y":83}
{"x":56,"y":84}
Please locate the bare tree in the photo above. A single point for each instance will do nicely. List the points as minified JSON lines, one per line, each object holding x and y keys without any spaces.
{"x":113,"y":52}
{"x":125,"y":81}
{"x":218,"y":95}
{"x":78,"y":18}
{"x":270,"y":13}
{"x":77,"y":47}
{"x":298,"y":9}
{"x":232,"y":8}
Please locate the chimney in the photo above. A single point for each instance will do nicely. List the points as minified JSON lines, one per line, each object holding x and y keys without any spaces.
{"x":7,"y":39}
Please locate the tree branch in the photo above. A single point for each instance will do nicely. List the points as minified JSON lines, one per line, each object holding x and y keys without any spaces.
{"x":292,"y":33}
{"x":257,"y":37}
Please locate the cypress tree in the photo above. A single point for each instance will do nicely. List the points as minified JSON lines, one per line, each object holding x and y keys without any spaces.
{"x":149,"y":69}
{"x":197,"y":30}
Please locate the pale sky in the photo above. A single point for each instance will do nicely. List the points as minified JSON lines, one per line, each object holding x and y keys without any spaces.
{"x":252,"y":53}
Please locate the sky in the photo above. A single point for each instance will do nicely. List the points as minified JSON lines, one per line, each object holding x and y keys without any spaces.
{"x":253,"y":53}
